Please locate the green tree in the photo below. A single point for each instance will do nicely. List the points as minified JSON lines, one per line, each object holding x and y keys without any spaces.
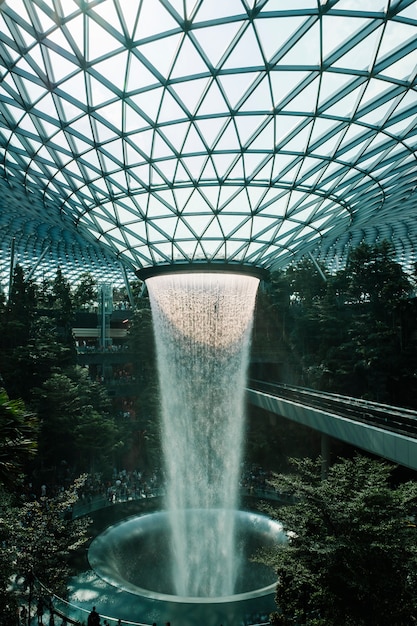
{"x":85,"y":292}
{"x":20,"y":307}
{"x":374,"y":290}
{"x":18,"y":435}
{"x":76,"y":425}
{"x":141,"y":345}
{"x":63,"y":310}
{"x":352,"y":552}
{"x":373,"y":276}
{"x":44,"y":535}
{"x":8,"y":600}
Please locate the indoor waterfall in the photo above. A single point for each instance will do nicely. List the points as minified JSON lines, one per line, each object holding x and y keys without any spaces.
{"x":203,"y":324}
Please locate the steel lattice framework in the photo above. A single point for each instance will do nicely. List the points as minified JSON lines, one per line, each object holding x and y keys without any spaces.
{"x":148,"y":132}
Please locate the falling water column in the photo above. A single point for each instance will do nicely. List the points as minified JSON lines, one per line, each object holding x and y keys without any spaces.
{"x":203,"y":324}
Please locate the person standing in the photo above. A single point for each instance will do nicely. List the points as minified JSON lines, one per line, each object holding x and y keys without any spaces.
{"x":93,"y":618}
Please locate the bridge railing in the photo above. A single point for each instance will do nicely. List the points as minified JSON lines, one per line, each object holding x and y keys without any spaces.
{"x":388,"y":417}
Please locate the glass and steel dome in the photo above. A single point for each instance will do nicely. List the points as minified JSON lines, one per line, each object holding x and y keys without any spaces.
{"x":160,"y":132}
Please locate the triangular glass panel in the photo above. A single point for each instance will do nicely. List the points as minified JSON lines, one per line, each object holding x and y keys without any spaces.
{"x":155,"y":177}
{"x":193,"y":165}
{"x":170,"y":109}
{"x":181,"y":175}
{"x":263,"y":225}
{"x":299,"y":141}
{"x":188,"y":61}
{"x":255,"y":196}
{"x":214,"y":230}
{"x":67,"y":109}
{"x":161,"y":63}
{"x":154,"y":19}
{"x":175,"y":133}
{"x":377,"y":115}
{"x":148,"y":102}
{"x":361,"y":56}
{"x":396,"y":34}
{"x":193,"y":142}
{"x":244,"y":231}
{"x":237,"y":171}
{"x":282,"y":164}
{"x":45,"y":21}
{"x":210,"y":195}
{"x":339,"y":33}
{"x":167,"y":169}
{"x":183,"y":231}
{"x":211,"y":128}
{"x":229,"y":140}
{"x":75,"y":88}
{"x":100,"y":42}
{"x":245,"y":52}
{"x":138,"y":76}
{"x":114,"y":151}
{"x":284,"y":126}
{"x":306,"y":100}
{"x":182,"y":196}
{"x":253,"y":163}
{"x":111,"y":114}
{"x":215,"y":39}
{"x":125,"y":216}
{"x":307,"y":47}
{"x":197,"y":223}
{"x":345,"y":106}
{"x":206,"y":11}
{"x":128,"y":12}
{"x":61,"y":66}
{"x":102,"y":132}
{"x":237,"y":85}
{"x":403,"y":69}
{"x":168,"y":225}
{"x":275,"y":31}
{"x":208,"y":173}
{"x":213,"y":104}
{"x":34,"y":91}
{"x":75,"y":32}
{"x":248,"y":125}
{"x":47,"y":106}
{"x":190,"y":92}
{"x":139,"y":146}
{"x":223,"y":163}
{"x":114,"y":70}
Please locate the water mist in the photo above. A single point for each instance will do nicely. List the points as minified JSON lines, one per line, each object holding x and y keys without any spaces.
{"x":203,"y":324}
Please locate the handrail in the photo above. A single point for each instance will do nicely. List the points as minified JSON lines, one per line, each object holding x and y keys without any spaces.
{"x":387,"y":417}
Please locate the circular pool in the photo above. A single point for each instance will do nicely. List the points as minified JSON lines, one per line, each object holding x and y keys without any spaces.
{"x":134,"y":555}
{"x":126,"y":573}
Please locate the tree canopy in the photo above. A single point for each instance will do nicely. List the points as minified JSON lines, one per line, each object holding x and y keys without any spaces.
{"x":351,"y":555}
{"x":351,"y":331}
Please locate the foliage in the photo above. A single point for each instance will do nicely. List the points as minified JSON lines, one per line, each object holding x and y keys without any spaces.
{"x":44,"y":535}
{"x":351,"y":332}
{"x":35,"y":340}
{"x":18,"y":434}
{"x":37,"y":538}
{"x":8,"y":601}
{"x":352,"y":552}
{"x":141,"y":345}
{"x":85,"y":292}
{"x":76,"y":425}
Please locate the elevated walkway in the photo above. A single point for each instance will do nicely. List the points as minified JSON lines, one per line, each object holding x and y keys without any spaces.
{"x":386,"y":431}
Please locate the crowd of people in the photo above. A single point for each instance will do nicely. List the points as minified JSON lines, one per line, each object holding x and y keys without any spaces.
{"x":120,"y":485}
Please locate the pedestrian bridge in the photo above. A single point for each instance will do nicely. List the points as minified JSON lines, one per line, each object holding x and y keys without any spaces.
{"x":386,"y":431}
